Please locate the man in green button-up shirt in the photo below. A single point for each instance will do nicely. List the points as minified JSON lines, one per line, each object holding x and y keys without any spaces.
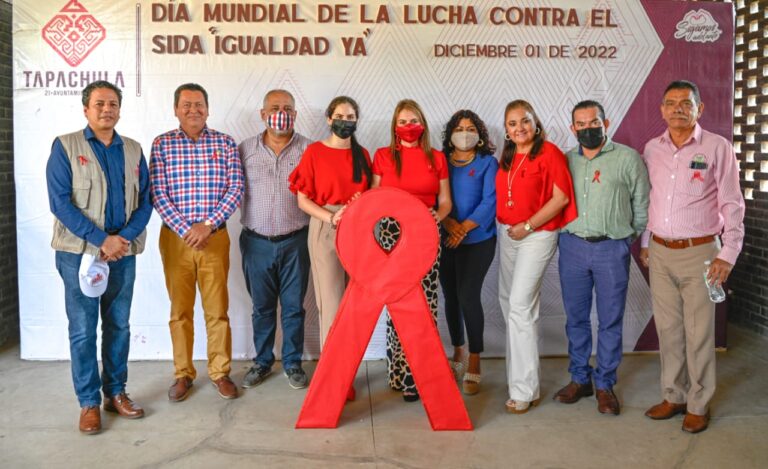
{"x":611,"y":187}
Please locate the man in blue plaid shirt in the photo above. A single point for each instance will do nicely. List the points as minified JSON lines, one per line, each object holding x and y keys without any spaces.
{"x":196,"y":184}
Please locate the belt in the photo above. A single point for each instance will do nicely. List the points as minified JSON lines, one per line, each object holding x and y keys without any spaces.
{"x":223,"y":226}
{"x":594,"y":239}
{"x":683,"y":243}
{"x":273,"y":239}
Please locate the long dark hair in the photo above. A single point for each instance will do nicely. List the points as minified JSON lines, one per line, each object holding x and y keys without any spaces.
{"x":359,"y":161}
{"x":394,"y":143}
{"x":484,"y":146}
{"x":510,"y":147}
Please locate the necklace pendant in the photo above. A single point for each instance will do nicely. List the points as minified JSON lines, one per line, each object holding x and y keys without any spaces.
{"x":509,"y":194}
{"x":510,"y":203}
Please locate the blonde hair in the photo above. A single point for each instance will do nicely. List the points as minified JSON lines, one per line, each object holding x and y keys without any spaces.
{"x":424,"y":142}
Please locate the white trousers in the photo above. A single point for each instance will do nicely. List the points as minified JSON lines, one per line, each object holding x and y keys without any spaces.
{"x":521,"y":271}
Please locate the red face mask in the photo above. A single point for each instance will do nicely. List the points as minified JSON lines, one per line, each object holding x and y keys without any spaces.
{"x":409,"y":133}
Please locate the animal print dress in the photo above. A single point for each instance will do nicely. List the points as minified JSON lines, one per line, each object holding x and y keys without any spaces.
{"x":400,"y":377}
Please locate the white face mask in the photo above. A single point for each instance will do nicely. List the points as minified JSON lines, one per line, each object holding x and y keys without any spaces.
{"x":465,"y":140}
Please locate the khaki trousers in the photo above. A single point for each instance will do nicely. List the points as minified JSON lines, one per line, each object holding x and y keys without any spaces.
{"x":685,"y":322}
{"x":184,"y":268}
{"x":328,"y":276}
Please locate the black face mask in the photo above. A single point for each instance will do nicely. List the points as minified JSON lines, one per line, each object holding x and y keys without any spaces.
{"x":591,"y":137}
{"x":342,"y":128}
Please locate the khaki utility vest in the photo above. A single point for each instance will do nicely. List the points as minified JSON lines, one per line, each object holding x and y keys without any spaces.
{"x":89,"y":192}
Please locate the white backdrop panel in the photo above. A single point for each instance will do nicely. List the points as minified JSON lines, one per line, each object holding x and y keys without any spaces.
{"x":400,"y":63}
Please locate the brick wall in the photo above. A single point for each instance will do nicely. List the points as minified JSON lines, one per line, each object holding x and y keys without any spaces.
{"x":749,"y":280}
{"x":9,"y":292}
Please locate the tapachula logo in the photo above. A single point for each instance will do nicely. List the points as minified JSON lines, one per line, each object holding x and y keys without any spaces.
{"x":73,"y":33}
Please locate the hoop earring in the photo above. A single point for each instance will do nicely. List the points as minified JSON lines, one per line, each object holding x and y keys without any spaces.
{"x":506,"y":137}
{"x":538,"y":130}
{"x":480,"y":143}
{"x":398,"y":146}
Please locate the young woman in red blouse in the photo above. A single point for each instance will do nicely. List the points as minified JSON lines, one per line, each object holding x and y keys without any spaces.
{"x":410,"y":163}
{"x":331,"y":172}
{"x":534,"y":199}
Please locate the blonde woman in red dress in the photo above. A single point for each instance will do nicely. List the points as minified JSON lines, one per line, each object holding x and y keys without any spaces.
{"x":410,"y":163}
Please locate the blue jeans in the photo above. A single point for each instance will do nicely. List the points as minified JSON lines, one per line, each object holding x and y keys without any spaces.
{"x":604,"y":266}
{"x":83,"y":316}
{"x":276,"y":270}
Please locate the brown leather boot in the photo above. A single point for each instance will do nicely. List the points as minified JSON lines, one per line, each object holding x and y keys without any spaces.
{"x":180,"y":389}
{"x":665,"y":410}
{"x":693,"y":423}
{"x":123,"y":405}
{"x":607,"y":403}
{"x":90,"y":420}
{"x":572,"y":392}
{"x":225,"y":387}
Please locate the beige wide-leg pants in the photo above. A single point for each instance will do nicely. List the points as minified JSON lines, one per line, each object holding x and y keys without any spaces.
{"x":328,"y":276}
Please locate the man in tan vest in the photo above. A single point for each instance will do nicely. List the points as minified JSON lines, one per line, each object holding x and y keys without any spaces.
{"x":98,"y":190}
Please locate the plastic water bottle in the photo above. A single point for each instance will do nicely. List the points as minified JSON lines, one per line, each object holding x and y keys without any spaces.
{"x":716,"y":293}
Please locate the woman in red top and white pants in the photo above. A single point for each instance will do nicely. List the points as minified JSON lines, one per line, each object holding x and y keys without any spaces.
{"x":331,"y":172}
{"x":411,"y":164}
{"x":534,"y":199}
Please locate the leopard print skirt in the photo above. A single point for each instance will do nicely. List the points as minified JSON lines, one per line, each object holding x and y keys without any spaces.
{"x":400,"y":377}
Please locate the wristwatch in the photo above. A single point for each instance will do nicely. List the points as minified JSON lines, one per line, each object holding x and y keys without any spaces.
{"x":210,"y":225}
{"x":528,"y":227}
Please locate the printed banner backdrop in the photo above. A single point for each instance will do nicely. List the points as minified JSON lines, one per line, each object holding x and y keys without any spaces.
{"x":448,"y":56}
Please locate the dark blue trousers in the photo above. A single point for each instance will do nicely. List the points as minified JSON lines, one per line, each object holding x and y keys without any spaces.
{"x":277,"y":271}
{"x":604,"y":267}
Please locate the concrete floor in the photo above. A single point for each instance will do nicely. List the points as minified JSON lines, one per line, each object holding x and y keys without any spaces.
{"x":38,"y":426}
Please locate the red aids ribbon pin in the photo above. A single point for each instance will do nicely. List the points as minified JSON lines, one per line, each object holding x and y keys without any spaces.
{"x":378,"y":278}
{"x":697,"y":175}
{"x":83,"y":160}
{"x":596,"y":178}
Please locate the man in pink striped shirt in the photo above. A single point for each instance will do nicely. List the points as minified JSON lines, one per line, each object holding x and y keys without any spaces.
{"x":695,"y":215}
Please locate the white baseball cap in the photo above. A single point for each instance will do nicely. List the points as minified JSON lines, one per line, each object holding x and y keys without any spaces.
{"x":94,"y":274}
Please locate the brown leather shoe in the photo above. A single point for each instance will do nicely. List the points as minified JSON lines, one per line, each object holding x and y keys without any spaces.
{"x":693,"y":423}
{"x":572,"y":392}
{"x":665,"y":410}
{"x":226,"y":388}
{"x":179,"y":390}
{"x":123,"y":405}
{"x":607,"y":403}
{"x":90,"y":420}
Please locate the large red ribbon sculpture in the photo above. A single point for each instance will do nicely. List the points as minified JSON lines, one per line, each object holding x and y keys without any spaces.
{"x":378,"y":278}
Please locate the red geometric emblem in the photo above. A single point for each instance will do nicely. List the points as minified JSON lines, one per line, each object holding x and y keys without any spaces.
{"x":73,"y":33}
